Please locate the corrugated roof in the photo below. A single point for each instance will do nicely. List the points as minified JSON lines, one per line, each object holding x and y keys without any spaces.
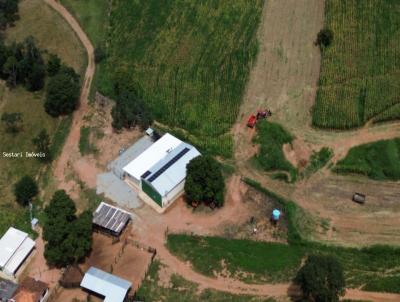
{"x":170,"y":171}
{"x":151,"y":156}
{"x":113,"y":288}
{"x":7,"y":289}
{"x":15,"y":245}
{"x":110,"y":217}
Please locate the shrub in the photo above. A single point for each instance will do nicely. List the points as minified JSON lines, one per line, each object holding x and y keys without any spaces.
{"x":324,"y":38}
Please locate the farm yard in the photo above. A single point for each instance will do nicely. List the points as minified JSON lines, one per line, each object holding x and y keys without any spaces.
{"x":359,"y":78}
{"x":191,"y":65}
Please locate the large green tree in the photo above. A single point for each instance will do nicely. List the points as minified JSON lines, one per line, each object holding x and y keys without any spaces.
{"x":62,"y":94}
{"x":204,"y":181}
{"x":25,"y":189}
{"x":68,"y":237}
{"x":321,"y":279}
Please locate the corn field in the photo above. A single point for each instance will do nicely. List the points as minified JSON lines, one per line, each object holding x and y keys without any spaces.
{"x":360,"y":71}
{"x":189,"y":60}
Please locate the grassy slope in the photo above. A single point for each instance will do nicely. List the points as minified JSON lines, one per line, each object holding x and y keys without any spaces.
{"x":360,"y":70}
{"x":52,"y":33}
{"x":184,"y":291}
{"x":375,"y":268}
{"x":378,"y":160}
{"x":189,"y":59}
{"x":272,"y":137}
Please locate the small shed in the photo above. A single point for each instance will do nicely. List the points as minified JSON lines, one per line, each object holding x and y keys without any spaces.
{"x":110,"y":219}
{"x":7,"y":289}
{"x":359,"y":198}
{"x":15,"y":247}
{"x":111,"y":287}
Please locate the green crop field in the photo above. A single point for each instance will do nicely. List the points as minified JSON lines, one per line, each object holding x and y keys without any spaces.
{"x":378,"y":160}
{"x":189,"y":60}
{"x":360,"y":71}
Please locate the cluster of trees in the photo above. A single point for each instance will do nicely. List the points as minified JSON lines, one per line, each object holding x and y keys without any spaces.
{"x":130,"y":111}
{"x":321,"y":279}
{"x":69,"y":237}
{"x":8,"y":12}
{"x":204,"y":181}
{"x":63,"y":89}
{"x":22,"y":63}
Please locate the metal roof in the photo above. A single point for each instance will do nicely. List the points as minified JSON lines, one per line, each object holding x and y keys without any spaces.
{"x":110,"y":217}
{"x":7,"y":289}
{"x":156,"y":152}
{"x":113,"y":288}
{"x":171,"y":170}
{"x":15,"y":245}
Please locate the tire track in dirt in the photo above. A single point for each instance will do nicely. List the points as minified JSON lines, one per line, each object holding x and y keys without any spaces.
{"x":71,"y":144}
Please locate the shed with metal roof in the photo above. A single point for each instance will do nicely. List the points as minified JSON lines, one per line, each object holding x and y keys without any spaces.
{"x":111,"y":287}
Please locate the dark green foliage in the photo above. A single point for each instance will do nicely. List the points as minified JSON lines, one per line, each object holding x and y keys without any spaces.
{"x":12,"y":121}
{"x":8,"y":12}
{"x":42,"y":144}
{"x":272,"y":137}
{"x":379,"y":160}
{"x":130,"y":111}
{"x":321,"y":279}
{"x":324,"y":38}
{"x":25,"y":189}
{"x":68,"y":237}
{"x":359,"y":72}
{"x":22,"y":63}
{"x":62,"y":93}
{"x":317,"y":161}
{"x":191,"y":59}
{"x":53,"y":65}
{"x":99,"y":54}
{"x":204,"y":181}
{"x":389,"y":284}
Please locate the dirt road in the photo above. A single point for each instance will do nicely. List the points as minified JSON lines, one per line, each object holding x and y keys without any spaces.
{"x":71,"y":144}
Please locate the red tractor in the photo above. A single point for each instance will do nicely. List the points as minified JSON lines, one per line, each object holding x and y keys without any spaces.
{"x":261,"y":114}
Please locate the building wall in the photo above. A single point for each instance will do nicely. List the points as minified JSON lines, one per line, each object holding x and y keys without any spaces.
{"x":153,"y":194}
{"x":174,"y":194}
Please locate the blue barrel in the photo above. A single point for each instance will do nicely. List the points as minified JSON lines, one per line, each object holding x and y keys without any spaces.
{"x":276,"y":214}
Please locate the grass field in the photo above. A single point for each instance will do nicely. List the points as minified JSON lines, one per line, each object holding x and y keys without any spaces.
{"x":185,"y":291}
{"x":360,"y":77}
{"x":92,"y":15}
{"x":189,"y":60}
{"x":372,"y":268}
{"x":54,"y":35}
{"x":378,"y":160}
{"x":272,"y":137}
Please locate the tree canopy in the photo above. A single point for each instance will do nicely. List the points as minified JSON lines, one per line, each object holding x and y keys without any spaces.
{"x":69,"y":238}
{"x":62,"y":93}
{"x":321,"y":279}
{"x":130,"y":111}
{"x":204,"y":181}
{"x":25,"y":189}
{"x":324,"y":37}
{"x":42,"y":144}
{"x":12,"y":121}
{"x":8,"y":12}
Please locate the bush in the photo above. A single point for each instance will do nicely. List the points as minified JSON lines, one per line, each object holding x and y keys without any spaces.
{"x":204,"y":181}
{"x":321,"y":279}
{"x":25,"y":189}
{"x":62,"y":93}
{"x":324,"y":38}
{"x":12,"y":121}
{"x":99,"y":54}
{"x":42,"y":144}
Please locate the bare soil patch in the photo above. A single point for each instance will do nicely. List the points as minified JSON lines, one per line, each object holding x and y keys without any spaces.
{"x":297,"y":153}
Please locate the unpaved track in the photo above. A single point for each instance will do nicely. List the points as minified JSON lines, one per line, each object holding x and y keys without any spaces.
{"x":157,"y":238}
{"x":71,"y":144}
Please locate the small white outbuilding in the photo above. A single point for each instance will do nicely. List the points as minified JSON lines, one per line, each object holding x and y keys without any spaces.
{"x":15,"y":247}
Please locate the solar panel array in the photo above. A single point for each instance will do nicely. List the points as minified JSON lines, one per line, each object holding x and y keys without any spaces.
{"x":168,"y":164}
{"x":110,"y":217}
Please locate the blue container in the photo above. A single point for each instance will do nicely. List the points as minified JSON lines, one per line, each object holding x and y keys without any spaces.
{"x":276,"y":214}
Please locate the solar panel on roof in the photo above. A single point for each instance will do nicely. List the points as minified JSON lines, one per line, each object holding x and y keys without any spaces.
{"x":110,"y":217}
{"x":145,"y":174}
{"x":168,"y":164}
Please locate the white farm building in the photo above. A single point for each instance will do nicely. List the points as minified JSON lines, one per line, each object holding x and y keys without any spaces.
{"x":159,"y":172}
{"x":15,"y":247}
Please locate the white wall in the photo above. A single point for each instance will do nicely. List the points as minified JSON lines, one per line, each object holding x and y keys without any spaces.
{"x":174,"y":193}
